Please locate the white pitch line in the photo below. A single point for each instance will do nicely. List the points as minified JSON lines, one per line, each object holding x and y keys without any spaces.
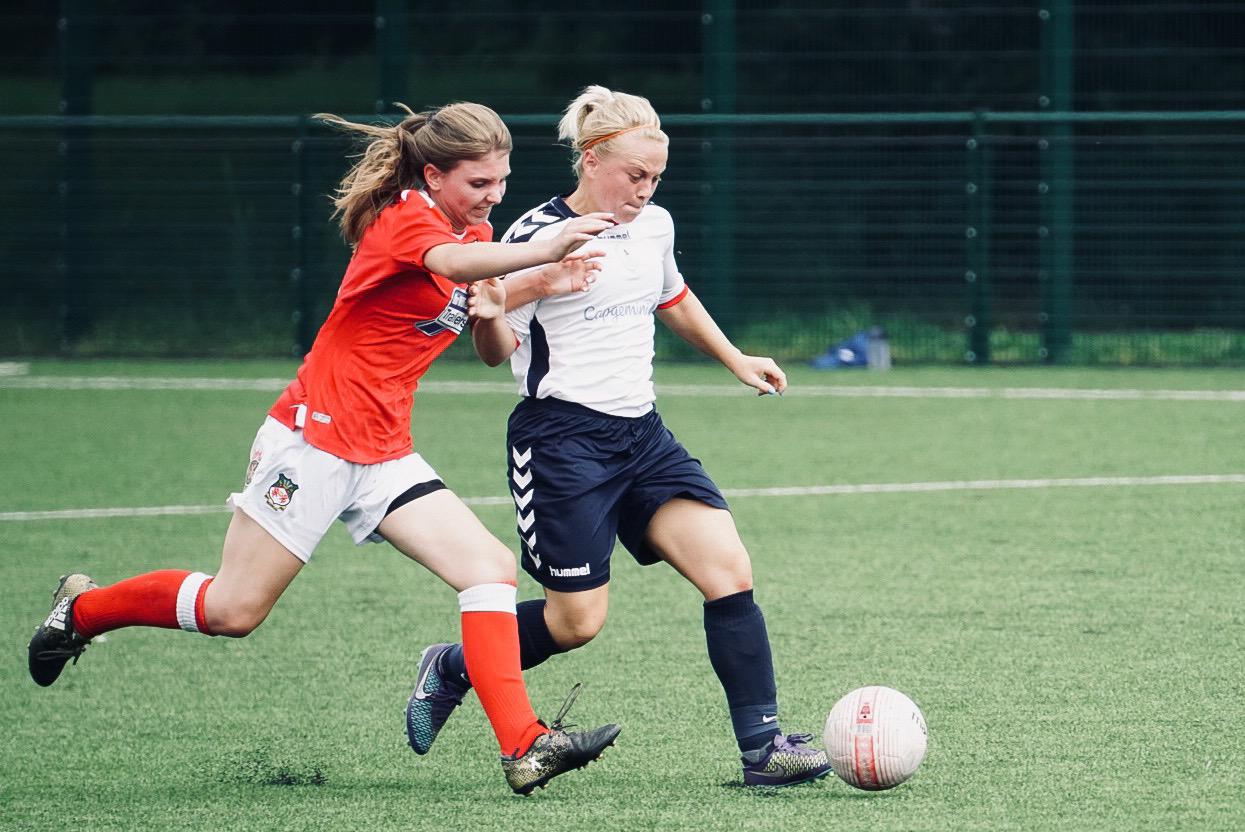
{"x":786,"y":491}
{"x":273,"y":385}
{"x":985,"y":485}
{"x":97,"y":513}
{"x":140,"y":383}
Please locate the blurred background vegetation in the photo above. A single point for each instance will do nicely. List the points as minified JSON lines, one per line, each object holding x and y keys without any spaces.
{"x":998,"y":182}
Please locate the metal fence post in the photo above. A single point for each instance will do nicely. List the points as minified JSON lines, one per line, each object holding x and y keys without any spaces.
{"x":977,"y":234}
{"x":392,"y":52}
{"x":1055,"y":189}
{"x":73,"y":191}
{"x":301,"y":314}
{"x":718,"y":288}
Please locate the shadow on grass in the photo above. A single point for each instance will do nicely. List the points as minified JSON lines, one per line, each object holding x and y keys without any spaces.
{"x":265,"y":765}
{"x":820,"y":789}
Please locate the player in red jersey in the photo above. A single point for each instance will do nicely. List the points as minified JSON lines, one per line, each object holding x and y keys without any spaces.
{"x":337,"y":442}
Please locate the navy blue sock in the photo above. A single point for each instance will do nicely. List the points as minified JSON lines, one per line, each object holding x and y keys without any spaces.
{"x":535,"y":643}
{"x":740,"y":654}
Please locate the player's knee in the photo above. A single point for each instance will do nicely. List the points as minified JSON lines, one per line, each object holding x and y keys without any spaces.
{"x":577,"y":635}
{"x":235,"y":621}
{"x":733,"y":575}
{"x":739,"y":565}
{"x":723,"y":586}
{"x":498,"y":566}
{"x":578,"y":629}
{"x":491,"y":565}
{"x":736,"y":584}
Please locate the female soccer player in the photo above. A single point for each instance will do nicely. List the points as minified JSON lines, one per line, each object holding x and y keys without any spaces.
{"x":337,"y":442}
{"x":590,"y":459}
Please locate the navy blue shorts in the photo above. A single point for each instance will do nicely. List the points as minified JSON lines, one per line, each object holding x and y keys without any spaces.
{"x":580,"y":479}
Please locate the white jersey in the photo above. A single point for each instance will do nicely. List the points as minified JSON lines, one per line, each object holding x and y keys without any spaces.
{"x":595,"y":348}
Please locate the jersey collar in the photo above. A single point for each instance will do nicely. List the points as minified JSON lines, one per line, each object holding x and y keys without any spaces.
{"x":559,"y":206}
{"x":433,"y":205}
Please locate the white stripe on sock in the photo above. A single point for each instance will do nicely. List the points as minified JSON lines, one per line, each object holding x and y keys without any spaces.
{"x":186,"y":597}
{"x":488,"y":598}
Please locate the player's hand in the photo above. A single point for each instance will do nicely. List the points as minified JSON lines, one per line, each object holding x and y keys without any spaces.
{"x":576,"y":272}
{"x":579,"y":231}
{"x":486,"y":299}
{"x":760,"y":373}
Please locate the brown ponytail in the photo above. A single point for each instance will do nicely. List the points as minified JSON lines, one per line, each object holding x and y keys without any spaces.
{"x":395,"y":156}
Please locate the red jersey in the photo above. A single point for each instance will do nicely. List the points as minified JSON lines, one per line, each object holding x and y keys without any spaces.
{"x":392,"y":317}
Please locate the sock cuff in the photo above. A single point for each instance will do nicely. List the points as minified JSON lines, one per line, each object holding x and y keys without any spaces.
{"x":730,"y":606}
{"x":190,"y":603}
{"x":200,"y":611}
{"x":488,"y":598}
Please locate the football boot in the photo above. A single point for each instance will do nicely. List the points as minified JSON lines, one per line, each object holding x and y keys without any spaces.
{"x":557,"y":752}
{"x":785,"y":761}
{"x":55,"y":642}
{"x":435,"y":697}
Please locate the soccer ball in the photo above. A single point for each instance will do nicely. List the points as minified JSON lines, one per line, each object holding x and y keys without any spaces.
{"x":875,"y":737}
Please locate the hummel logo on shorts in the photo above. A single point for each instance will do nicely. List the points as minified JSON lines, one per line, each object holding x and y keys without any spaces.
{"x":572,"y":572}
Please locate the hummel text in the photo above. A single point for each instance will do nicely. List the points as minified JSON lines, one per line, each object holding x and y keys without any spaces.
{"x":571,"y":572}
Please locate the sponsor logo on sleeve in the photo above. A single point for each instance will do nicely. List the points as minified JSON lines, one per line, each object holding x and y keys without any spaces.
{"x":452,"y":318}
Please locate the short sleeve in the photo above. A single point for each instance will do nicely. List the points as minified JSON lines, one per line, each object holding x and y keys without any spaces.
{"x":673,"y":288}
{"x":420,"y":228}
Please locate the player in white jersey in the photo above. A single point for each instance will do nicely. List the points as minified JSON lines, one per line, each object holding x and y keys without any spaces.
{"x":596,"y":348}
{"x":589,"y":458}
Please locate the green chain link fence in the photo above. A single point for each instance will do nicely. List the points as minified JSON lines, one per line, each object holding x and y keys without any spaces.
{"x":1089,"y":238}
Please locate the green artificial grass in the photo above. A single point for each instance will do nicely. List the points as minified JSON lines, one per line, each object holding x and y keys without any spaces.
{"x":1077,"y":651}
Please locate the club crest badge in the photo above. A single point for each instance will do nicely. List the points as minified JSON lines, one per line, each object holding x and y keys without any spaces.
{"x":256,"y":456}
{"x":280,"y":493}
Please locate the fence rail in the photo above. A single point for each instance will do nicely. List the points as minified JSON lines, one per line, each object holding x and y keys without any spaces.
{"x":1083,"y":237}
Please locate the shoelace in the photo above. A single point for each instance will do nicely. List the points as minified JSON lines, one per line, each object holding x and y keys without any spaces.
{"x":558,"y":725}
{"x":793,"y":741}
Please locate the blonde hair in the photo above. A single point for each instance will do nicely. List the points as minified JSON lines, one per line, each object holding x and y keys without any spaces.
{"x":394,"y":157}
{"x":599,"y":115}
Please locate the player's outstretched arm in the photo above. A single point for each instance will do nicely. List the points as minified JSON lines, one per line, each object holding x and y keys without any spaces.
{"x":576,"y":272}
{"x":479,"y":260}
{"x":486,"y":309}
{"x":692,"y":322}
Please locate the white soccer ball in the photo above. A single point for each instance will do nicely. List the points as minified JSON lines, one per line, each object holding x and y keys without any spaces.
{"x":875,"y":737}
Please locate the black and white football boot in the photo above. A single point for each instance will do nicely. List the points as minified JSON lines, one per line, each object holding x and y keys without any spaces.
{"x":55,"y":642}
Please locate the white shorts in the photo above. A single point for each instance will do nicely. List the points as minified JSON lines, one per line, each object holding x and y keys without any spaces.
{"x":296,"y":491}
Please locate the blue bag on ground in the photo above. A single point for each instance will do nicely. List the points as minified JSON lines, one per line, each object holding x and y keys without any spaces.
{"x":867,"y":348}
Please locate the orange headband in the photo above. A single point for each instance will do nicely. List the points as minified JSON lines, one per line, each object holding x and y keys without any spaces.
{"x":615,"y":135}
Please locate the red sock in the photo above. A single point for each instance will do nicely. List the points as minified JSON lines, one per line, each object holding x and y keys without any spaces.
{"x":491,"y":650}
{"x":171,"y":599}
